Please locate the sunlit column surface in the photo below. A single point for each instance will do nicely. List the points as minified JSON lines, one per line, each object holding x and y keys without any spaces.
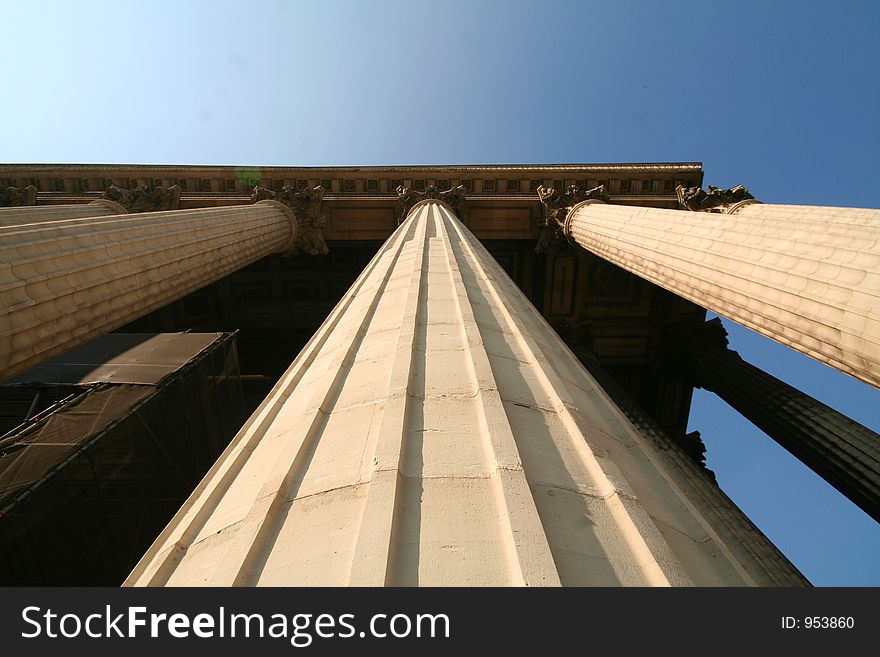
{"x":436,"y":431}
{"x":65,"y":282}
{"x":806,"y":276}
{"x":726,"y":518}
{"x":34,"y":214}
{"x":113,"y":201}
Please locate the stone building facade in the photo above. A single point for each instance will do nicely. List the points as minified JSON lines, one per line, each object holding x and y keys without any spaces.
{"x":463,"y":375}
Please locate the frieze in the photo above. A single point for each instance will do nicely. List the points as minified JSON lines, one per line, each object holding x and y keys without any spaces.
{"x":656,"y":182}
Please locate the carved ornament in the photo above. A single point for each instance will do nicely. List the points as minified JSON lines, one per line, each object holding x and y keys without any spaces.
{"x":454,"y":197}
{"x":15,"y":196}
{"x":306,"y":206}
{"x":146,"y":198}
{"x":714,"y":199}
{"x":556,"y":204}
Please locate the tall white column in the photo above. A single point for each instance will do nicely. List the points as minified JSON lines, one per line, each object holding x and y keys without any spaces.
{"x":436,"y":431}
{"x":806,"y":276}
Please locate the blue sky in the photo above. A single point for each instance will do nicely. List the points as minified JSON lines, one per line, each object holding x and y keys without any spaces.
{"x":780,"y":96}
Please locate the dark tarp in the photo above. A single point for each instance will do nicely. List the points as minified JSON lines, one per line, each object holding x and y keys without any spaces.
{"x":144,"y":358}
{"x":28,"y":456}
{"x":97,"y":469}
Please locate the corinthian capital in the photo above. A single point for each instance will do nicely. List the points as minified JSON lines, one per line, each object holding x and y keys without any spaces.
{"x":454,"y":198}
{"x":146,"y":198}
{"x":714,"y":199}
{"x":684,"y":346}
{"x":557,"y":204}
{"x":306,"y":206}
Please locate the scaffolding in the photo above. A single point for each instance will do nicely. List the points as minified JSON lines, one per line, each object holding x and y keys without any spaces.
{"x":115,"y":436}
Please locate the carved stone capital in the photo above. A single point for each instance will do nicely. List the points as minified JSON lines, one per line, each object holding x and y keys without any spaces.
{"x":577,"y":336}
{"x":714,"y":199}
{"x":262,"y":194}
{"x":146,"y":198}
{"x":693,"y":445}
{"x":685,"y":345}
{"x":552,"y":241}
{"x":306,"y":207}
{"x":454,"y":198}
{"x":557,"y":204}
{"x":15,"y":196}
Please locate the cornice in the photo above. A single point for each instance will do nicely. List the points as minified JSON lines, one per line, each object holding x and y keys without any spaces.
{"x":447,"y":168}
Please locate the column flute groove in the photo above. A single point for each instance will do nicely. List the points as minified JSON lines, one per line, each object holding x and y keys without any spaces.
{"x":530,"y":555}
{"x":256,"y":535}
{"x":656,"y":564}
{"x":373,"y":559}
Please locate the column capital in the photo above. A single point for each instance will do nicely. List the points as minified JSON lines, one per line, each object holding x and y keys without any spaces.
{"x":408,"y":197}
{"x":146,"y":198}
{"x":714,"y":199}
{"x":15,"y":196}
{"x":685,"y":345}
{"x":306,"y":207}
{"x":557,"y":204}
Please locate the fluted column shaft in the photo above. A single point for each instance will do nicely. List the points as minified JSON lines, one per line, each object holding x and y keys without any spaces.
{"x":65,"y":282}
{"x":808,"y":277}
{"x":34,"y":214}
{"x":840,"y":450}
{"x":436,"y":431}
{"x":728,"y":520}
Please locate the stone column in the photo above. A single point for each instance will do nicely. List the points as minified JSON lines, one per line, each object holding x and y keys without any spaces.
{"x":740,"y":534}
{"x":808,"y":277}
{"x":115,"y":200}
{"x":843,"y":452}
{"x":436,"y":431}
{"x":65,"y":282}
{"x":35,"y":214}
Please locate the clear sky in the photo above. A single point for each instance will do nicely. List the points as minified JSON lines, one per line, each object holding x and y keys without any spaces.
{"x":781,"y":96}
